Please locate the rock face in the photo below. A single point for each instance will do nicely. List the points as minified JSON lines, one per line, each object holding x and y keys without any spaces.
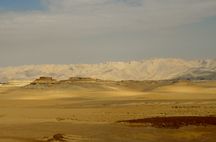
{"x":155,"y":69}
{"x":44,"y":80}
{"x":81,"y":79}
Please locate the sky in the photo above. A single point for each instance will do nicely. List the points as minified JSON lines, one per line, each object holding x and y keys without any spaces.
{"x":95,"y":31}
{"x":20,"y":5}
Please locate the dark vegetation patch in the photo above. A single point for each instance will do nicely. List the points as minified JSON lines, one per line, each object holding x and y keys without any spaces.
{"x":173,"y":122}
{"x":185,"y":107}
{"x":55,"y":138}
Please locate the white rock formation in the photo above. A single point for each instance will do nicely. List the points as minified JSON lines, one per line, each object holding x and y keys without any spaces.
{"x":154,"y":69}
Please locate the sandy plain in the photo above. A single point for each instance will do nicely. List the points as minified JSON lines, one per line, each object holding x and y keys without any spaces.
{"x":90,"y":110}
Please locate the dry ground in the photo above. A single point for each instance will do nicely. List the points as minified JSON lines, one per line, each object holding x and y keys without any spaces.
{"x":89,"y":111}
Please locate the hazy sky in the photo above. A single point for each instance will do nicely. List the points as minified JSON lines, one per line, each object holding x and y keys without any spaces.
{"x":93,"y":31}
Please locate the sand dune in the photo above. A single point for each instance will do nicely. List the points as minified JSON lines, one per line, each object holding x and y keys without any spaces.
{"x":85,"y":109}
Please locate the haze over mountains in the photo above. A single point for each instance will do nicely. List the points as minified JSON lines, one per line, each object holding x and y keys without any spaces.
{"x":153,"y":69}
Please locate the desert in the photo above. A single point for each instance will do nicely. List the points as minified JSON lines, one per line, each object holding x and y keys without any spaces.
{"x":88,"y":109}
{"x":107,"y":71}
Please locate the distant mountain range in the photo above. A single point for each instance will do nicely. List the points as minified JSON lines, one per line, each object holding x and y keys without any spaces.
{"x":153,"y":69}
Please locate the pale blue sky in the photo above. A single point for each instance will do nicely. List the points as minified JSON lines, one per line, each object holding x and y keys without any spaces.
{"x":93,"y":31}
{"x":20,"y":5}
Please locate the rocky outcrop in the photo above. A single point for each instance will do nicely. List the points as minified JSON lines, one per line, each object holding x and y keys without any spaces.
{"x":81,"y":79}
{"x":44,"y":80}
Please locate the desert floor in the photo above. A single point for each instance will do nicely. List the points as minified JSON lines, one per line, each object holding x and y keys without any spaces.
{"x":87,"y":112}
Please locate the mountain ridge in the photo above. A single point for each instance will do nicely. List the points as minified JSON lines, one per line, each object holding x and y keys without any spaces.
{"x":152,"y":69}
